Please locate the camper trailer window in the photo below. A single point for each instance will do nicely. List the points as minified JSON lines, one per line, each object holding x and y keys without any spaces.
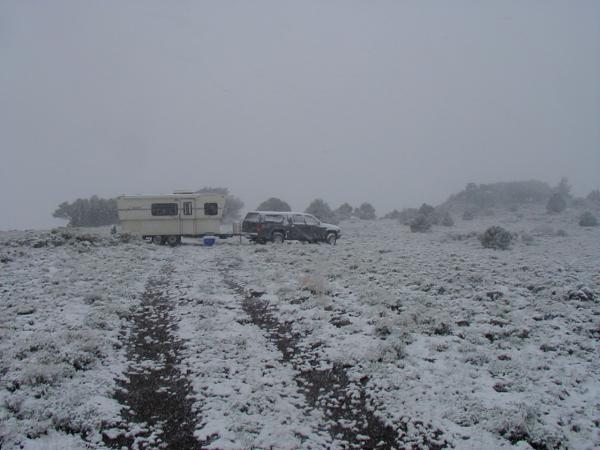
{"x":164,"y":209}
{"x":211,"y":209}
{"x":187,"y":208}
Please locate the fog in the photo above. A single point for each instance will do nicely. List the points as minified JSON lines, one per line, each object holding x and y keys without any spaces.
{"x":392,"y":102}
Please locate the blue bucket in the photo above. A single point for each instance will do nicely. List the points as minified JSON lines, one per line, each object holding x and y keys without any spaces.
{"x":208,"y":242}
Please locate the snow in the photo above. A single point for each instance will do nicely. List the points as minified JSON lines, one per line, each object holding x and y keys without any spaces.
{"x":443,"y":339}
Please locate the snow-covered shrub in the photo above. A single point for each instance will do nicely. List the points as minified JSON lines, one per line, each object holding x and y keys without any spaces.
{"x":420,"y":224}
{"x":389,"y":351}
{"x":66,"y":235}
{"x":447,"y":220}
{"x":426,"y":209}
{"x":582,"y":293}
{"x":126,"y":237}
{"x":476,"y":358}
{"x":527,"y":238}
{"x":407,"y":215}
{"x":587,"y":219}
{"x":556,"y":204}
{"x":496,"y":237}
{"x":394,"y":214}
{"x":91,"y":298}
{"x":383,"y":328}
{"x":373,"y":296}
{"x":315,"y":284}
{"x":366,"y":211}
{"x":523,"y":422}
{"x":594,"y":196}
{"x":5,"y":259}
{"x":442,"y":329}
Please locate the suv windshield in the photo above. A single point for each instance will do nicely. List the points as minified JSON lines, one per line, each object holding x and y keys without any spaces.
{"x":252,"y":217}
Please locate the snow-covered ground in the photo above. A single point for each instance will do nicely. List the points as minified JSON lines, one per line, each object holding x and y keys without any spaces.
{"x":390,"y":338}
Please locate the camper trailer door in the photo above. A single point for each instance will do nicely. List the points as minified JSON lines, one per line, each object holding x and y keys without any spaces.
{"x":187,"y":215}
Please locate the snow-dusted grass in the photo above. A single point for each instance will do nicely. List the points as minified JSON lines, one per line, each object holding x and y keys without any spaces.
{"x":62,"y":307}
{"x":492,"y":348}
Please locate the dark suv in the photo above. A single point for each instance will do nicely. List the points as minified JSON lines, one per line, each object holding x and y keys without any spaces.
{"x":263,"y":226}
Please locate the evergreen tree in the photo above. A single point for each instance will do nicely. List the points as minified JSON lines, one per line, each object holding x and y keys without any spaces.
{"x":274,"y":204}
{"x":365,"y":212}
{"x":321,"y":210}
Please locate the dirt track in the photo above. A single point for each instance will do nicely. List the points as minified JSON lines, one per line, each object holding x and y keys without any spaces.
{"x":157,"y":396}
{"x":158,"y":399}
{"x":351,"y":415}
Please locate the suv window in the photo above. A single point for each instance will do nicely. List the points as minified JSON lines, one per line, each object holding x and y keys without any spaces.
{"x":298,"y":219}
{"x":252,"y":217}
{"x":310,"y":220}
{"x":274,"y":218}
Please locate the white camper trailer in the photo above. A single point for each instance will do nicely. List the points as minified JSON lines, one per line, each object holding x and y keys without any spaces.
{"x":166,"y":218}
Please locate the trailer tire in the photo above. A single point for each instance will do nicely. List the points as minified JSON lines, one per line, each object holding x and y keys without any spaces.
{"x":173,"y":240}
{"x":158,"y":240}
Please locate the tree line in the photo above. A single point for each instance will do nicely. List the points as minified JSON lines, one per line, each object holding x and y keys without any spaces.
{"x":322,"y":211}
{"x":474,"y":199}
{"x":88,"y":212}
{"x":96,"y":211}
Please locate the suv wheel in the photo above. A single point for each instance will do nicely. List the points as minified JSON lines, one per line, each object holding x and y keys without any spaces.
{"x":278,"y":238}
{"x":331,"y":238}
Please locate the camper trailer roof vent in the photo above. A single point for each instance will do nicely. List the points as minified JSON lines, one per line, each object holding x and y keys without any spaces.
{"x":183,"y":191}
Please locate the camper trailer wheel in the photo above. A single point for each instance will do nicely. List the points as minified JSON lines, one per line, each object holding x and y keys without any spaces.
{"x":173,"y":240}
{"x":158,"y":240}
{"x":278,"y":238}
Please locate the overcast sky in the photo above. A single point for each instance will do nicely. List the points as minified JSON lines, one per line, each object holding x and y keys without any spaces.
{"x":392,"y":102}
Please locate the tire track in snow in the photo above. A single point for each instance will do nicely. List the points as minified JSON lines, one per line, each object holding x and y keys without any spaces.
{"x":345,"y":403}
{"x":156,"y":396}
